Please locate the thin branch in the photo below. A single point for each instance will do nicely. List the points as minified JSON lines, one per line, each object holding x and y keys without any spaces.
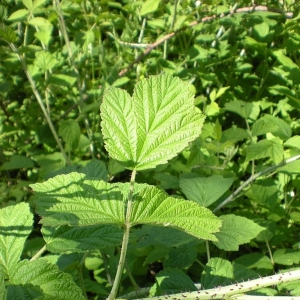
{"x":39,"y":253}
{"x":253,"y":178}
{"x":249,"y":9}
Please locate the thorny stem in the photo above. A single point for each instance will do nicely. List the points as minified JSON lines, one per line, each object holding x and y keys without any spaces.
{"x":249,"y":9}
{"x":253,"y":178}
{"x":125,"y":241}
{"x":234,"y":291}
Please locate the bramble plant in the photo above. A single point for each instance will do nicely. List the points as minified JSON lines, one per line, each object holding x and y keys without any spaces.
{"x":150,"y":198}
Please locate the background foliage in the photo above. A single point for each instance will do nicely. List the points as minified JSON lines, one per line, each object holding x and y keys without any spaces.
{"x":56,"y":61}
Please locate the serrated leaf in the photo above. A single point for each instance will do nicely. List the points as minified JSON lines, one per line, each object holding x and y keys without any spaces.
{"x":7,"y":34}
{"x":62,"y":80}
{"x":204,"y":190}
{"x":76,"y":201}
{"x":276,"y":126}
{"x":80,"y":239}
{"x":41,"y":275}
{"x":236,"y":231}
{"x":45,"y":61}
{"x":293,"y":142}
{"x":95,"y":169}
{"x":262,"y":29}
{"x":182,"y":257}
{"x":16,"y":223}
{"x":220,"y":272}
{"x":255,"y":261}
{"x":265,"y":148}
{"x":239,"y":107}
{"x":37,"y":3}
{"x":44,"y":35}
{"x":291,"y":168}
{"x":153,"y":206}
{"x":27,"y":3}
{"x":286,"y":257}
{"x":153,"y":125}
{"x":149,"y":6}
{"x":171,"y":281}
{"x":17,"y":162}
{"x":40,"y":22}
{"x":18,"y":15}
{"x":69,"y":130}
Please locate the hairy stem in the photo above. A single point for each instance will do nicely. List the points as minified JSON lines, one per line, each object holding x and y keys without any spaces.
{"x":234,"y":291}
{"x":125,"y":241}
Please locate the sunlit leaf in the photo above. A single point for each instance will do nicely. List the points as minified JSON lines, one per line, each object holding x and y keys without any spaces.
{"x":16,"y":223}
{"x":153,"y":125}
{"x":153,"y":206}
{"x":236,"y":231}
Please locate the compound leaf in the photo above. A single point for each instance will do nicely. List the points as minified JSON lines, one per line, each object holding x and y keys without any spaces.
{"x":153,"y":125}
{"x":41,"y":277}
{"x":236,"y":231}
{"x":16,"y":224}
{"x":153,"y":206}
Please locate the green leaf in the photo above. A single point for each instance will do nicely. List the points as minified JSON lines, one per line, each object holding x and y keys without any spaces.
{"x":265,"y":148}
{"x":220,"y":272}
{"x":286,"y":257}
{"x":204,"y":190}
{"x":284,"y":60}
{"x":28,"y":4}
{"x":262,"y":29}
{"x":153,"y":206}
{"x":283,"y":90}
{"x":153,"y":125}
{"x":62,"y":80}
{"x":40,"y":22}
{"x":39,"y":275}
{"x":95,"y":169}
{"x":182,"y":257}
{"x":291,"y":168}
{"x":45,"y":61}
{"x":293,"y":142}
{"x":170,"y":281}
{"x":255,"y":261}
{"x":16,"y":224}
{"x":18,"y":15}
{"x":239,"y":107}
{"x":80,"y":239}
{"x":271,"y":124}
{"x":76,"y":201}
{"x":17,"y":162}
{"x":7,"y":34}
{"x":69,"y":130}
{"x":44,"y":35}
{"x":236,"y":231}
{"x":149,"y":6}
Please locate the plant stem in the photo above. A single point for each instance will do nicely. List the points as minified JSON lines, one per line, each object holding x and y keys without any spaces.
{"x":234,"y":291}
{"x":125,"y":241}
{"x":39,"y":253}
{"x":41,"y":103}
{"x":253,"y":178}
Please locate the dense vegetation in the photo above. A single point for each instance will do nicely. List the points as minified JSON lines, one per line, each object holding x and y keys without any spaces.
{"x":117,"y":116}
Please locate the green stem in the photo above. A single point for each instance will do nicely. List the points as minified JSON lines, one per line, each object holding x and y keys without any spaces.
{"x":41,"y":103}
{"x":39,"y":253}
{"x":79,"y":269}
{"x":125,"y":241}
{"x":270,"y":253}
{"x":253,"y":178}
